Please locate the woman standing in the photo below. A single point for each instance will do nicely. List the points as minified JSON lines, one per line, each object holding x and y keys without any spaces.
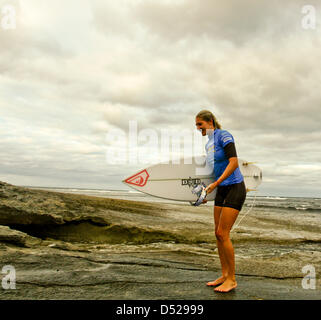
{"x":231,"y":193}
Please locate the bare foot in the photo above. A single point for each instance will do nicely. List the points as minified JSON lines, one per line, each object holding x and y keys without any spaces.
{"x":227,"y":286}
{"x":216,"y":282}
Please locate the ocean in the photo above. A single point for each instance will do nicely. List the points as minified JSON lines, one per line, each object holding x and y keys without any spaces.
{"x":291,"y":204}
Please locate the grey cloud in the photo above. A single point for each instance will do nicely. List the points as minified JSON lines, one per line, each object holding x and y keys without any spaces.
{"x":111,"y":17}
{"x":235,"y":21}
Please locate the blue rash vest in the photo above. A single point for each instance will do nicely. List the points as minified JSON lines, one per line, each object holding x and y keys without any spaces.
{"x":215,"y":156}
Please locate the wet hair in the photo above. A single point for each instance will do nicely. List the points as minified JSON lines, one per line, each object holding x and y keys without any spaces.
{"x":208,"y":116}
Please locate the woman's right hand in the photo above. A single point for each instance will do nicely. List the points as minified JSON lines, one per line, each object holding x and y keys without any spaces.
{"x":211,"y":187}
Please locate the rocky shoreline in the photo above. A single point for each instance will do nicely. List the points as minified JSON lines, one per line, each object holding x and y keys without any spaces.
{"x":66,"y":246}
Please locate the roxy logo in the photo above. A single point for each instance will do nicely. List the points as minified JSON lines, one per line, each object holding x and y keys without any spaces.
{"x":138,"y":179}
{"x":9,"y":280}
{"x":8,"y":17}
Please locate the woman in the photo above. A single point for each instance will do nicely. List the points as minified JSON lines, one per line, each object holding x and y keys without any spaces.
{"x":231,"y":193}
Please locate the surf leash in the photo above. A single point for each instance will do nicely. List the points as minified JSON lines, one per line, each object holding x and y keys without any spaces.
{"x":249,"y":210}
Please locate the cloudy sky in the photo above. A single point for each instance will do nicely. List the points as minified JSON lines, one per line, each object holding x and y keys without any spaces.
{"x":73,"y":71}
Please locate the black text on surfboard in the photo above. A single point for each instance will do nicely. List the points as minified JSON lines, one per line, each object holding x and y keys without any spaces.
{"x":190,"y":182}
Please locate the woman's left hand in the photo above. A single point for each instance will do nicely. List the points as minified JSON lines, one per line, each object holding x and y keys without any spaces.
{"x":211,"y":187}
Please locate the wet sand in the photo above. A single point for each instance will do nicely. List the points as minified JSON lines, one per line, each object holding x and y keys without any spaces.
{"x":65,"y":246}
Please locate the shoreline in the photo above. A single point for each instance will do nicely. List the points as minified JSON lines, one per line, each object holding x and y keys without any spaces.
{"x":137,"y":192}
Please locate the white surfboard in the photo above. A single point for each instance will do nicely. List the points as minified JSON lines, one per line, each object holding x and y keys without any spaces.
{"x":175,"y":181}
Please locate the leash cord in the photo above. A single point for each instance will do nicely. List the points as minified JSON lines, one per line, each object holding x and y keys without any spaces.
{"x":245,"y":213}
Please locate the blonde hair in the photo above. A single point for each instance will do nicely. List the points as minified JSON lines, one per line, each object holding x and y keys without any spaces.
{"x":208,"y":116}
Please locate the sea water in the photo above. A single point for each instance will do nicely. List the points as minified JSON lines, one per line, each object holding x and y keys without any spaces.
{"x":293,"y":204}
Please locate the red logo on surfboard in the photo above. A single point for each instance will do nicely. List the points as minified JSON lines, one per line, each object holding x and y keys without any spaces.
{"x":139,"y":179}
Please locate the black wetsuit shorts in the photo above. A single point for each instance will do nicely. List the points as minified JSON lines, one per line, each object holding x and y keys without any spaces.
{"x":232,"y":196}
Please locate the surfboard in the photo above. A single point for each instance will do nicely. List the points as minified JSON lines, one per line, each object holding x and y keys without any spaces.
{"x":175,"y":180}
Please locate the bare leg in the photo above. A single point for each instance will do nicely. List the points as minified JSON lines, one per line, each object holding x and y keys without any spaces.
{"x":224,"y":265}
{"x":227,"y":219}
